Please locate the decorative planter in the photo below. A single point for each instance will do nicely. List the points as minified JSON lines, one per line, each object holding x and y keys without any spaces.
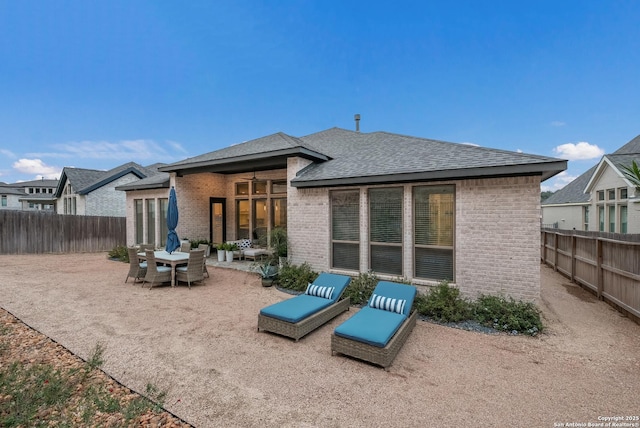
{"x":221,"y":255}
{"x":229,"y":256}
{"x":267,"y":282}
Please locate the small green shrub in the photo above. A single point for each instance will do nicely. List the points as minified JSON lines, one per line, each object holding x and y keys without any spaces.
{"x":508,"y":315}
{"x":361,"y":287}
{"x":120,"y":253}
{"x":295,"y":277}
{"x":443,"y":303}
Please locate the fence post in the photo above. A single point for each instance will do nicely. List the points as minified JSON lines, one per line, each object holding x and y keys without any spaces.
{"x":555,"y":251}
{"x":599,"y":267}
{"x":573,"y":257}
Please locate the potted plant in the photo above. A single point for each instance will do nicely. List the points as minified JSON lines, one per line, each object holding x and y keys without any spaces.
{"x":229,"y":250}
{"x":221,"y":251}
{"x":268,"y":271}
{"x":278,"y":240}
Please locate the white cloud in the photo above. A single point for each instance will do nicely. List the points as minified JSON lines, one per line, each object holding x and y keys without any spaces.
{"x":557,"y":182}
{"x":37,"y":168}
{"x":8,"y":153}
{"x":558,"y":123}
{"x":126,"y":150}
{"x":578,"y":151}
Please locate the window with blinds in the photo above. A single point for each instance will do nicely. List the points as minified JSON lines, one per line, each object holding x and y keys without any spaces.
{"x":385,"y":230}
{"x":345,"y":229}
{"x":433,"y":230}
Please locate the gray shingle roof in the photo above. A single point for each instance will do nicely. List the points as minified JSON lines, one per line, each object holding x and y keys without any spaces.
{"x":86,"y":180}
{"x":574,"y":191}
{"x":342,"y":156}
{"x":632,"y":146}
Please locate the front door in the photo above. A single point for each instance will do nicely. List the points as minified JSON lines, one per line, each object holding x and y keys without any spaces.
{"x":218,"y":221}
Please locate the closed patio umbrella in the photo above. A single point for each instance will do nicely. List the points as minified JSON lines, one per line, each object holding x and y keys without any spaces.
{"x":172,"y":221}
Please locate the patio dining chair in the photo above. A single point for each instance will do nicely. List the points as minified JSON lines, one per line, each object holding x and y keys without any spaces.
{"x":155,"y":274}
{"x":193,"y":270}
{"x":137,"y":269}
{"x":204,"y":247}
{"x":185,"y":247}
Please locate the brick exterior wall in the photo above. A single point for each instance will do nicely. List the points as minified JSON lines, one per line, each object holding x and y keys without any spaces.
{"x":106,"y":200}
{"x":497,"y":235}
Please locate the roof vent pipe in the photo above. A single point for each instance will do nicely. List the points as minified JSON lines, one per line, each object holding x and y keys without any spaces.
{"x":357,"y":118}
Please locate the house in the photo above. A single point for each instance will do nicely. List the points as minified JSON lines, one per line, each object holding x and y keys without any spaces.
{"x":601,"y":199}
{"x":93,"y":193}
{"x":147,"y":202}
{"x":28,"y":195}
{"x":353,"y":202}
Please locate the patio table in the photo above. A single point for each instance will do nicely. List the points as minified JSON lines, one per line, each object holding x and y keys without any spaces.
{"x":173,"y":259}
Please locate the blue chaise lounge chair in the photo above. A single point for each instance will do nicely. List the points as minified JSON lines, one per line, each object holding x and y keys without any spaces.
{"x":304,"y":313}
{"x":377,"y":332}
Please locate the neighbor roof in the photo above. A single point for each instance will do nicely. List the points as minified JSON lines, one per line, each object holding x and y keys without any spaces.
{"x":572,"y":193}
{"x":344,"y":157}
{"x":87,"y":180}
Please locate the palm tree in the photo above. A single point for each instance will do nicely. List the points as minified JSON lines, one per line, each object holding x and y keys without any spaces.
{"x":632,"y":173}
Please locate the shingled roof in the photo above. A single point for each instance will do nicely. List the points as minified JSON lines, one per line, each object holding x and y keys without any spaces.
{"x":87,"y":180}
{"x":343,"y":157}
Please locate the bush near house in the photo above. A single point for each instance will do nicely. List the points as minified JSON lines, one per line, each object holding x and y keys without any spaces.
{"x":119,"y":253}
{"x":296,"y":278}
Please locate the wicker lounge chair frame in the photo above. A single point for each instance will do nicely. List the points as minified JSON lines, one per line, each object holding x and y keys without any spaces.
{"x":305,"y":326}
{"x":375,"y":354}
{"x":135,"y":270}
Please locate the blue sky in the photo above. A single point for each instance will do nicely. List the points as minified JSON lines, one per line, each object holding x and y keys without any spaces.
{"x":100,"y":83}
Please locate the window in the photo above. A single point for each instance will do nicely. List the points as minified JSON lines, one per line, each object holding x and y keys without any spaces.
{"x":151,"y":221}
{"x":623,"y":193}
{"x":601,"y":219}
{"x":4,"y":200}
{"x":259,"y":188}
{"x":138,"y":218}
{"x":279,"y":214}
{"x":612,"y":218}
{"x":242,"y":188}
{"x":279,"y":187}
{"x":164,"y":229}
{"x":345,"y":229}
{"x":601,"y":195}
{"x":434,"y":221}
{"x":611,"y":194}
{"x":585,"y":216}
{"x":259,"y":220}
{"x":242,"y":219}
{"x":623,"y":218}
{"x":385,"y":230}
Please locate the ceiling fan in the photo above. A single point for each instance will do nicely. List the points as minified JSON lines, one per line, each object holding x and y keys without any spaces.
{"x":252,"y":179}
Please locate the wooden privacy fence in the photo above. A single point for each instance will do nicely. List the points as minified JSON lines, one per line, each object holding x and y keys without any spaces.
{"x":28,"y":232}
{"x":607,"y":266}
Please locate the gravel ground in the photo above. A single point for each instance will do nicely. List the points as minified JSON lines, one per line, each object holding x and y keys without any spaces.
{"x":202,"y":347}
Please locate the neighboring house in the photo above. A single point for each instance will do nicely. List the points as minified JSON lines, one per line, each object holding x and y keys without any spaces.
{"x":93,"y":193}
{"x":601,"y":199}
{"x":28,"y":195}
{"x":396,"y":205}
{"x":147,"y":202}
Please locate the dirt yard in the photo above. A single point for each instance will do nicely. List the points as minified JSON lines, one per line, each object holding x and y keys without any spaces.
{"x":202,"y":347}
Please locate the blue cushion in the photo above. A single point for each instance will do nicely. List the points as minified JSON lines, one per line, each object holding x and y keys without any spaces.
{"x":163,"y":268}
{"x":297,"y":308}
{"x":396,"y":291}
{"x":316,"y":290}
{"x":338,"y":282}
{"x":143,"y":265}
{"x":372,"y":326}
{"x":181,"y":269}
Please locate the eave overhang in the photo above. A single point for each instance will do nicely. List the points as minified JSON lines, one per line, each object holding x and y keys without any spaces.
{"x":545,"y":171}
{"x":253,"y":162}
